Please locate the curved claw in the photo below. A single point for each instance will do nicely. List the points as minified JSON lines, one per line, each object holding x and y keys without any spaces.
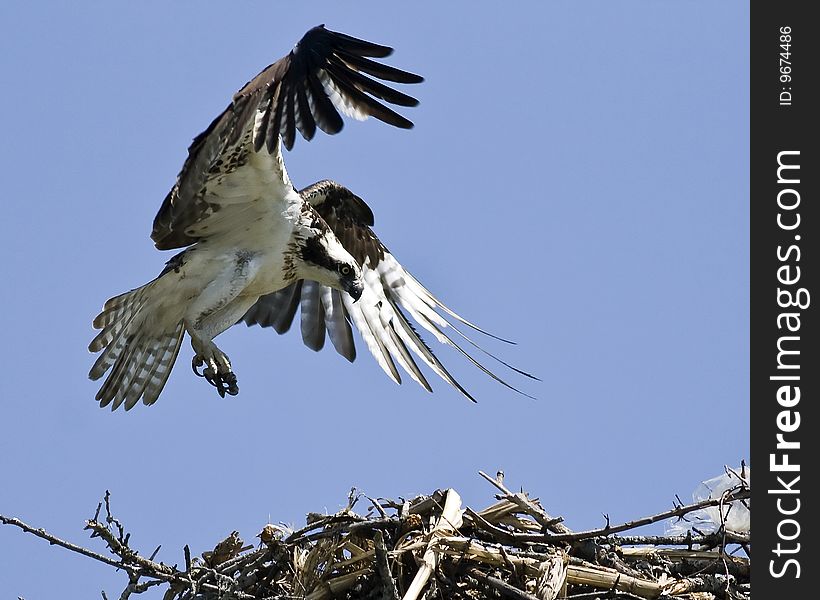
{"x":228,"y":385}
{"x":197,"y":362}
{"x":224,"y":383}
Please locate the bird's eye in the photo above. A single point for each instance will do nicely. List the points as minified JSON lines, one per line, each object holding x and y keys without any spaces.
{"x":344,"y":270}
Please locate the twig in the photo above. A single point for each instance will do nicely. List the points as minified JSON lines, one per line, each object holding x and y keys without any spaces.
{"x":613,"y":561}
{"x":377,"y":506}
{"x":122,"y":537}
{"x":709,"y":540}
{"x":134,"y":587}
{"x":593,"y":533}
{"x":361,"y":525}
{"x":528,"y":506}
{"x":504,"y":588}
{"x":154,"y":553}
{"x":237,"y":562}
{"x":127,"y":554}
{"x":614,"y":594}
{"x":55,"y":541}
{"x":389,"y":591}
{"x":499,"y":534}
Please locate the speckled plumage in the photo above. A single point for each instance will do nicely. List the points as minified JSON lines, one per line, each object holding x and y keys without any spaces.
{"x":255,"y":248}
{"x":246,"y":230}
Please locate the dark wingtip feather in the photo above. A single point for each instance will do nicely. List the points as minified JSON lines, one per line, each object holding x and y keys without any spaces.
{"x":377,"y":69}
{"x":290,"y":119}
{"x":327,"y":117}
{"x":360,"y":46}
{"x":306,"y":123}
{"x":283,"y":86}
{"x":467,"y":395}
{"x":272,"y":134}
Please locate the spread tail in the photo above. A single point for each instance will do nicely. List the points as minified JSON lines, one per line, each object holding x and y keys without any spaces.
{"x":137,"y":350}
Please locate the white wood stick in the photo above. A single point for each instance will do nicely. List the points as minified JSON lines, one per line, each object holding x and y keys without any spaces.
{"x":448,"y":524}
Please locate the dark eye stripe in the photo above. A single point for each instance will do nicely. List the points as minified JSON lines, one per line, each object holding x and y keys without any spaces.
{"x":314,"y":252}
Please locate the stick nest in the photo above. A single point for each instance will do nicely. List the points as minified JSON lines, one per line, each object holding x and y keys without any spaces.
{"x":435,"y":547}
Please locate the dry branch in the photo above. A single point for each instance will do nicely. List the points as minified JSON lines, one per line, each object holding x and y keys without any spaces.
{"x":433,"y":547}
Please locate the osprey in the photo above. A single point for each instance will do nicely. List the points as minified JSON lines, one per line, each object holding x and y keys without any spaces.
{"x":256,"y":248}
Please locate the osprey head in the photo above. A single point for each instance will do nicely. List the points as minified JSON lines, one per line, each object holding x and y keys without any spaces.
{"x":325,"y":261}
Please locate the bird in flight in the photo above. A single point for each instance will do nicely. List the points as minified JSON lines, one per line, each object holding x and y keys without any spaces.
{"x":256,"y":248}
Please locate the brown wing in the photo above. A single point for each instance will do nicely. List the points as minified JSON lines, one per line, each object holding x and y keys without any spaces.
{"x":325,"y":73}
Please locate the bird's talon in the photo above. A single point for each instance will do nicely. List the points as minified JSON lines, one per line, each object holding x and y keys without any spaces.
{"x":232,"y":388}
{"x":197,"y":362}
{"x":224,"y":383}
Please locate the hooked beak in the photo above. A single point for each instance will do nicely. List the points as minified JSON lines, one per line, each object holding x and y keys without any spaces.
{"x":354,"y":287}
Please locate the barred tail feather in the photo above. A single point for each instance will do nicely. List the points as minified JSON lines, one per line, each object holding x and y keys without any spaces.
{"x":162,"y":369}
{"x":136,"y":351}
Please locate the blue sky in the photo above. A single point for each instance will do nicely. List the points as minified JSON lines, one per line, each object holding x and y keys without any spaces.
{"x":577,"y":181}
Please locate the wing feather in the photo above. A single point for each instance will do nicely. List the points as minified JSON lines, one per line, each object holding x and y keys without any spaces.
{"x":289,"y":125}
{"x":295,"y":93}
{"x":338,"y":68}
{"x":277,"y":309}
{"x":408,"y":333}
{"x":391,"y":294}
{"x":379,"y":70}
{"x":338,"y":325}
{"x":306,"y":123}
{"x":271,"y":141}
{"x":371,"y":339}
{"x":362,"y":47}
{"x":430,"y":326}
{"x":380,"y":317}
{"x":313,"y":316}
{"x":354,"y":98}
{"x":406,"y":359}
{"x":324,"y":111}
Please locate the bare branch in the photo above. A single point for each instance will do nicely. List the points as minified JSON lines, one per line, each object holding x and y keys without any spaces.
{"x":431,"y":546}
{"x":54,"y":540}
{"x":593,"y":533}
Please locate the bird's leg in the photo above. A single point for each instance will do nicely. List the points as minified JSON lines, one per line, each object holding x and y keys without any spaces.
{"x":217,"y":371}
{"x":218,"y":306}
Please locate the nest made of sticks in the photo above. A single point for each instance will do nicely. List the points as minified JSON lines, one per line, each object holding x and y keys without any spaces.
{"x":434,"y":547}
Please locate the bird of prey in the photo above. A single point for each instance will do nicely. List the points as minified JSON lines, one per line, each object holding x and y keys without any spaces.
{"x":256,"y":248}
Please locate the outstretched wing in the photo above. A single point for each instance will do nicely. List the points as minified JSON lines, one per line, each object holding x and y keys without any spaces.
{"x":237,"y":159}
{"x":380,"y":315}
